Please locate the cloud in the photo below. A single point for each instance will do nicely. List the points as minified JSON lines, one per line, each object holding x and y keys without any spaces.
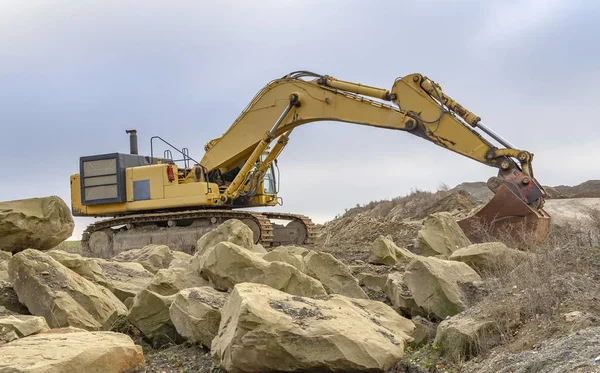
{"x":504,"y":23}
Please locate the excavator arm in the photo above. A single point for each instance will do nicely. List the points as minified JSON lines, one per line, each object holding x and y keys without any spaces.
{"x":415,"y":104}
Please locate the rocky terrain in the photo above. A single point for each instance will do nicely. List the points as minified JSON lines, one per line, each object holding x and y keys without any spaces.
{"x":394,"y":286}
{"x":401,"y":217}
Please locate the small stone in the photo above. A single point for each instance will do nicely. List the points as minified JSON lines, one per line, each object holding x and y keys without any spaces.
{"x":45,"y":273}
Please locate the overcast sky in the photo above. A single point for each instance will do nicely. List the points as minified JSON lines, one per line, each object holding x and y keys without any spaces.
{"x":75,"y":74}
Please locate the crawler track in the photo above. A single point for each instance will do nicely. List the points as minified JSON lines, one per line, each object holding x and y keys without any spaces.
{"x":259,"y":222}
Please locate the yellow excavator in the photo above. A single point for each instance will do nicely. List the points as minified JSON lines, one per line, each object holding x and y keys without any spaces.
{"x":163,"y":200}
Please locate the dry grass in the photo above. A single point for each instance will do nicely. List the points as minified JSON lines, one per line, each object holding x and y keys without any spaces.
{"x":527,"y":303}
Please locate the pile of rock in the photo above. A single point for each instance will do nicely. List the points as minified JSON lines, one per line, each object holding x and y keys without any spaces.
{"x":442,"y":282}
{"x":248,"y":306}
{"x":291,"y":308}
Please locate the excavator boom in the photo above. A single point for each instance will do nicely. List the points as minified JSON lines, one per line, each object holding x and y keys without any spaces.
{"x":415,"y":104}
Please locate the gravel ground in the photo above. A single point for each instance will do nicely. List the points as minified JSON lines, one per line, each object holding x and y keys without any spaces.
{"x":185,"y":358}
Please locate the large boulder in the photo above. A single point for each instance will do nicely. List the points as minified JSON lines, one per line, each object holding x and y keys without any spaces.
{"x":440,"y":235}
{"x":372,"y":280}
{"x":59,"y":351}
{"x":180,"y":260}
{"x":149,"y":309}
{"x":84,"y":267}
{"x":306,"y":334}
{"x":282,"y":254}
{"x":4,"y":258}
{"x":18,"y":326}
{"x":385,"y":251}
{"x":400,"y":296}
{"x":60,"y":295}
{"x":233,"y":231}
{"x":151,"y":257}
{"x":150,"y":314}
{"x":123,"y":279}
{"x":490,"y":257}
{"x":9,"y":301}
{"x":41,"y":223}
{"x":227,"y":264}
{"x":196,"y":313}
{"x":462,"y":337}
{"x":171,"y":281}
{"x":266,"y":330}
{"x":333,"y":274}
{"x":295,"y":250}
{"x":438,"y":285}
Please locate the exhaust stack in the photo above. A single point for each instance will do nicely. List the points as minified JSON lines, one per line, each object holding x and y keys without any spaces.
{"x":133,"y":141}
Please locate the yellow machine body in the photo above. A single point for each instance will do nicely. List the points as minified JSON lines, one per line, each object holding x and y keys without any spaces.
{"x":165,"y":194}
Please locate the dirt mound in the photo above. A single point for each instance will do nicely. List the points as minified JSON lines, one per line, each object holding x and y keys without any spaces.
{"x":588,"y":194}
{"x":458,"y":202}
{"x":362,"y":230}
{"x":586,"y":189}
{"x":553,"y":193}
{"x":399,"y":218}
{"x":574,"y":353}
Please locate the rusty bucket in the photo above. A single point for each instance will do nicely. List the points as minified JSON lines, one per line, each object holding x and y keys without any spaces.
{"x":504,"y":218}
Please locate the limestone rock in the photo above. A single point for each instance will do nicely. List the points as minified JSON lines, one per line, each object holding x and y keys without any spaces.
{"x":227,"y":264}
{"x":171,"y":281}
{"x":19,"y":326}
{"x":123,"y":279}
{"x":149,"y":309}
{"x":282,"y":254}
{"x":440,"y":234}
{"x":196,"y":313}
{"x":333,"y":274}
{"x":84,"y":267}
{"x":400,"y":296}
{"x":490,"y":257}
{"x":60,"y":351}
{"x":266,"y":330}
{"x":180,"y":260}
{"x":295,"y":250}
{"x":436,"y":284}
{"x":9,"y":301}
{"x":4,"y":258}
{"x":150,"y":314}
{"x":374,"y":281}
{"x":40,"y":223}
{"x":62,"y":296}
{"x":151,"y":257}
{"x":233,"y":231}
{"x":385,"y":251}
{"x":463,"y":337}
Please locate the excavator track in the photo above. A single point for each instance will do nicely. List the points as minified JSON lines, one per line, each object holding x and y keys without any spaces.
{"x":99,"y":238}
{"x":310,"y":229}
{"x":107,"y":238}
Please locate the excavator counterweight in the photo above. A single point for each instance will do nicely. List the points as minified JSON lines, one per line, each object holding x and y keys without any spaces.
{"x":155,"y":197}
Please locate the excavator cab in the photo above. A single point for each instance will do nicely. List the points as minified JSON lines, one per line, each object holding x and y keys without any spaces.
{"x":269,"y":181}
